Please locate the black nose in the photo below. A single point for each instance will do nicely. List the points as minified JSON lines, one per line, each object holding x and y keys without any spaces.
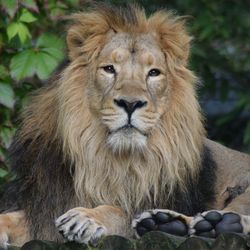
{"x":130,"y":107}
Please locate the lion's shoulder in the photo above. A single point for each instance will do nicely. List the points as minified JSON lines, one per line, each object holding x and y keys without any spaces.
{"x":227,"y":158}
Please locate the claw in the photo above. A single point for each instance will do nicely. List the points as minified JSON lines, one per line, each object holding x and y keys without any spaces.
{"x":78,"y":226}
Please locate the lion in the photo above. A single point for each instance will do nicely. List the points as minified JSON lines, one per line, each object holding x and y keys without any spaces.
{"x":118,"y":135}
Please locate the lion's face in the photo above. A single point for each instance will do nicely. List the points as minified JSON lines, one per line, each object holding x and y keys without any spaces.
{"x":130,"y":88}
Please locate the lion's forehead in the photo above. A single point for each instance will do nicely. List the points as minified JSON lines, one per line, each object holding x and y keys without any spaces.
{"x":141,"y":47}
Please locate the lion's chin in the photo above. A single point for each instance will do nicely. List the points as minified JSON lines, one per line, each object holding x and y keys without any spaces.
{"x":127,"y":140}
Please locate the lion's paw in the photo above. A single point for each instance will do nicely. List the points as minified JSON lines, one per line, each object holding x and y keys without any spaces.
{"x":79,"y":225}
{"x":161,"y":220}
{"x":211,"y":223}
{"x":207,"y":224}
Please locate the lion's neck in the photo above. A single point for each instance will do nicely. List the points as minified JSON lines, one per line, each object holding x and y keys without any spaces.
{"x":128,"y":180}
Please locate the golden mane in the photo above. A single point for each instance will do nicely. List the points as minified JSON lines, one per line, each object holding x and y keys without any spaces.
{"x":62,"y":113}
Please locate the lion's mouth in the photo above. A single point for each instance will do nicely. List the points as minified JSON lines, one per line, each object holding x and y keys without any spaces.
{"x":128,"y":129}
{"x":127,"y":137}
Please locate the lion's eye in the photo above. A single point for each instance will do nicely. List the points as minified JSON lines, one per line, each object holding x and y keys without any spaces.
{"x":109,"y":69}
{"x":154,"y":72}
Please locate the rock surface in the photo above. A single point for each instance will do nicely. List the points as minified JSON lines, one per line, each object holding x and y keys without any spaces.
{"x":150,"y":241}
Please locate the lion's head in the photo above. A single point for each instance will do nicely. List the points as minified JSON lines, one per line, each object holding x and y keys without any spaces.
{"x":125,"y":107}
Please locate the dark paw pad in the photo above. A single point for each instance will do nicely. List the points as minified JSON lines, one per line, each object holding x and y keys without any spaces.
{"x":162,"y":222}
{"x":213,"y":217}
{"x":214,"y":223}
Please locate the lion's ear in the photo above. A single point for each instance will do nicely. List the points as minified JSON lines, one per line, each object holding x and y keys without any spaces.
{"x":75,"y":42}
{"x":177,"y":45}
{"x":173,"y":36}
{"x":87,"y":34}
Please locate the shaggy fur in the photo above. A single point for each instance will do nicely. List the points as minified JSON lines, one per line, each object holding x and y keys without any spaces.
{"x":61,"y":155}
{"x":175,"y":143}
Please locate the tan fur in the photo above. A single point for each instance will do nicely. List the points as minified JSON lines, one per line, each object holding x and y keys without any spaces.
{"x":175,"y":141}
{"x":110,"y":166}
{"x":13,"y":229}
{"x":113,"y":218}
{"x":233,"y":171}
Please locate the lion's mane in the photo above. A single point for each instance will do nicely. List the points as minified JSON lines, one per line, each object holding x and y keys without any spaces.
{"x":62,"y":146}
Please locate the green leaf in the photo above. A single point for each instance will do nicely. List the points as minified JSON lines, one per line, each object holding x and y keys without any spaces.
{"x":20,"y":29}
{"x":3,"y":173}
{"x":48,"y":40}
{"x":52,"y":45}
{"x":23,"y":32}
{"x":23,"y":64}
{"x":12,"y":30}
{"x":10,"y":6}
{"x":55,"y":53}
{"x":45,"y":65}
{"x":6,"y":135}
{"x":7,"y":97}
{"x":33,"y":61}
{"x":27,"y":17}
{"x":52,"y":48}
{"x":3,"y":72}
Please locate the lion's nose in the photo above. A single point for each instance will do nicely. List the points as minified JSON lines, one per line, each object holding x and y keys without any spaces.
{"x":130,"y":107}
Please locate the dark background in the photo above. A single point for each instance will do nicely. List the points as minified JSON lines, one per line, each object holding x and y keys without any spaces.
{"x":32,"y":35}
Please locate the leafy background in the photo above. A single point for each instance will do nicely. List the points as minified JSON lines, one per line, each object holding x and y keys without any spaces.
{"x":32,"y":35}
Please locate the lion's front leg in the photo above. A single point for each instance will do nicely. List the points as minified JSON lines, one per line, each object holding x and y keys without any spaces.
{"x":13,"y":229}
{"x":86,"y":225}
{"x":207,"y":224}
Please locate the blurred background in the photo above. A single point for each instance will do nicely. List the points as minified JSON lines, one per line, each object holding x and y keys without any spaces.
{"x":32,"y":44}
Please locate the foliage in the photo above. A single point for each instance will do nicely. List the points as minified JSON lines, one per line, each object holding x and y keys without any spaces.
{"x":32,"y":45}
{"x":30,"y":49}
